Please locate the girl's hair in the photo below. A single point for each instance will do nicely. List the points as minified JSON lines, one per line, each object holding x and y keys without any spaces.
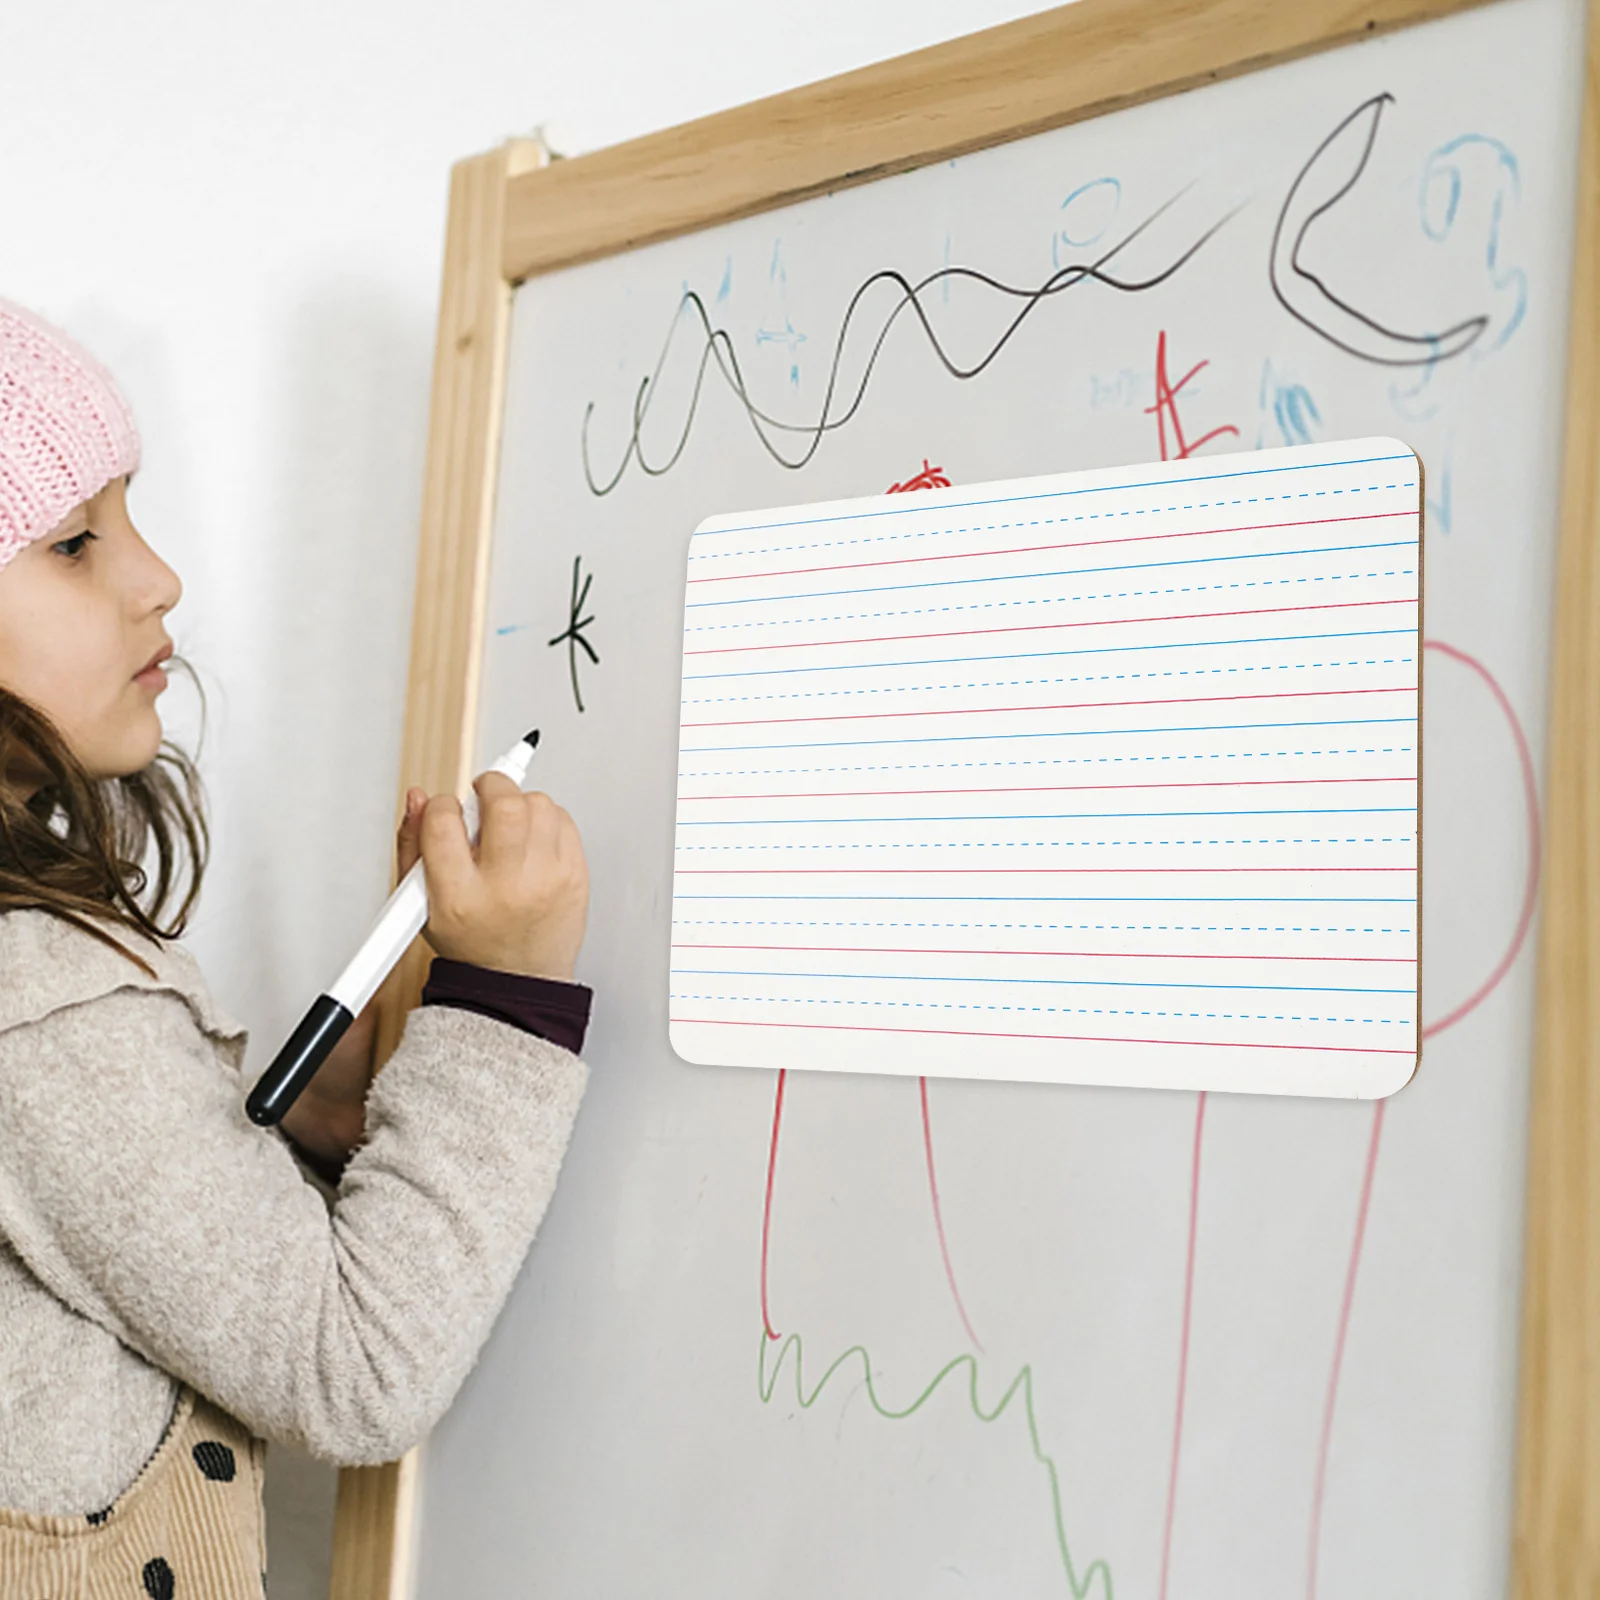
{"x":80,"y":847}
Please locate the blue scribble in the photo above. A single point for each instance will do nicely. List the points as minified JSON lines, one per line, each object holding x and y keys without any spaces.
{"x":1418,"y":402}
{"x":727,"y":281}
{"x":1086,"y":213}
{"x":1444,"y":177}
{"x":1292,"y":408}
{"x":788,"y":335}
{"x":1438,"y":494}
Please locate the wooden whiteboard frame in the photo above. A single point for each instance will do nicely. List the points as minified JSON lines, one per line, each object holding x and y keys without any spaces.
{"x":512,"y":216}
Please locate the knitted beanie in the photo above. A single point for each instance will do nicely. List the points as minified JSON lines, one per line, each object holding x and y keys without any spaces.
{"x":65,"y":429}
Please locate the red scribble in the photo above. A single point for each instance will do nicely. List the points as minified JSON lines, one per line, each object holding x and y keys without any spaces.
{"x":1530,"y":888}
{"x":1530,"y":793}
{"x":1183,"y":1343}
{"x":928,"y":478}
{"x":1345,"y":1306}
{"x":938,"y":1220}
{"x":1165,"y":410}
{"x":766,"y":1210}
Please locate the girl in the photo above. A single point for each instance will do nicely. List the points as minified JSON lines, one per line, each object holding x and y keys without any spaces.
{"x":172,"y":1288}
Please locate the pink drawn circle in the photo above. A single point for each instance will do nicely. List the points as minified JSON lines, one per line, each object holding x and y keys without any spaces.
{"x":1530,"y":795}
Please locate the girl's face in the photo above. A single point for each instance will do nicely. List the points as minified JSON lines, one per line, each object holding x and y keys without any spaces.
{"x":81,"y":617}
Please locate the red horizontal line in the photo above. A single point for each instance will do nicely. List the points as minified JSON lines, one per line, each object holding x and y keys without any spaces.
{"x":1038,"y":788}
{"x":1047,"y":627}
{"x":1115,"y":955}
{"x":786,"y":872}
{"x":1076,"y":1038}
{"x":1032,"y":549}
{"x":1071,"y":705}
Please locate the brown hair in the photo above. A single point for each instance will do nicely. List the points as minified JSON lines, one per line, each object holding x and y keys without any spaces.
{"x":80,"y":847}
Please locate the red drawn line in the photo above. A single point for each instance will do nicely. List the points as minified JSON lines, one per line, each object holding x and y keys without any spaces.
{"x":1165,"y":409}
{"x":1073,"y":705}
{"x":928,"y":478}
{"x":1338,"y":1348}
{"x":1039,"y":788}
{"x":929,"y":872}
{"x":766,"y":1210}
{"x":1075,"y":1038}
{"x":1048,"y":627}
{"x":938,"y":1221}
{"x":1183,"y":1345}
{"x":1530,"y":888}
{"x":1114,"y":955}
{"x":1530,"y":792}
{"x":1036,"y":549}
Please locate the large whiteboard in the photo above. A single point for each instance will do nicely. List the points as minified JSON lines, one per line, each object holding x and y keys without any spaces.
{"x":1006,"y":1339}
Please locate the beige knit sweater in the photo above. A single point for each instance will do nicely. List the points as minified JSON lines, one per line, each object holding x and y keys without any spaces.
{"x":150,"y":1233}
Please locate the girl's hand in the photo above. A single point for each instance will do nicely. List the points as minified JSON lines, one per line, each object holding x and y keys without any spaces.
{"x":518,"y":903}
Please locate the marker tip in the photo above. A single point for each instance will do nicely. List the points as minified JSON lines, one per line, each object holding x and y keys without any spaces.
{"x":531,"y":739}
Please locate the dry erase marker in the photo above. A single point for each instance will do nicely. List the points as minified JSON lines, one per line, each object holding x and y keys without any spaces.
{"x":399,"y":922}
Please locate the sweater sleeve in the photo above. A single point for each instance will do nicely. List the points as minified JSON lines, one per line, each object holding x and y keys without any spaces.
{"x":135,"y":1188}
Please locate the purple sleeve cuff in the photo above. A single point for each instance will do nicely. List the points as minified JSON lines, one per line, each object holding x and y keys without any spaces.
{"x":544,"y":1007}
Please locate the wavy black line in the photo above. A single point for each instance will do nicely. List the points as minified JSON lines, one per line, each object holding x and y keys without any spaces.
{"x":717,"y":346}
{"x":1343,"y":325}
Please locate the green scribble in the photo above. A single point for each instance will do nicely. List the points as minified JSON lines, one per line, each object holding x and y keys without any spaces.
{"x":767,"y":1383}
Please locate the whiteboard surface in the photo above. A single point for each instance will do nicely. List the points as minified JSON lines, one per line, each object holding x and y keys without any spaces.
{"x":987,"y":1299}
{"x":924,"y":736}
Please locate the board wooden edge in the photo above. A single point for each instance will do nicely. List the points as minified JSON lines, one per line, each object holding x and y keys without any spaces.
{"x":512,"y":216}
{"x":1556,"y":1532}
{"x":372,"y":1533}
{"x":1066,"y":65}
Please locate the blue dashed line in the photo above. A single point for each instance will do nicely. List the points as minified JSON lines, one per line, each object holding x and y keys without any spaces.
{"x":1035,"y":927}
{"x":1050,"y":655}
{"x":1067,"y":494}
{"x":1039,"y":844}
{"x":1048,"y":761}
{"x":1028,"y":683}
{"x":1064,"y":1011}
{"x":1068,"y":572}
{"x":1049,"y":600}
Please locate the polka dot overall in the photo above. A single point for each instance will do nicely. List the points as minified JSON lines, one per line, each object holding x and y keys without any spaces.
{"x":190,"y":1527}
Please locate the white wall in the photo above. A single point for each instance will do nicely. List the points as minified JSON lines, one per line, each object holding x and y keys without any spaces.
{"x":241,"y":209}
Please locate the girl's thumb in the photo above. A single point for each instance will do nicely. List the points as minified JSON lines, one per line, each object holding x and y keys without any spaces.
{"x":408,"y":840}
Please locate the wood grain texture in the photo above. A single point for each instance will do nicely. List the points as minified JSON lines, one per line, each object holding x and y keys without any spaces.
{"x":1557,"y":1529}
{"x":1067,"y":65}
{"x":372,"y":1523}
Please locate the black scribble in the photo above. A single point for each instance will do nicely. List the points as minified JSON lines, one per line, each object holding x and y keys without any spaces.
{"x":772,"y":432}
{"x":572,"y":635}
{"x":1319,"y":308}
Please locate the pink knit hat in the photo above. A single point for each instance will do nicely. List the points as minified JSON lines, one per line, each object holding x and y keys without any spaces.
{"x":65,"y":430}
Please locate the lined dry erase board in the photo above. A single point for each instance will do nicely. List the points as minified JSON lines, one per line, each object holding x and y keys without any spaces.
{"x":921,"y":739}
{"x":799,"y":1333}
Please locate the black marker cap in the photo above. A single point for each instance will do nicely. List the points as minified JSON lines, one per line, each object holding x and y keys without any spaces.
{"x":296,"y":1064}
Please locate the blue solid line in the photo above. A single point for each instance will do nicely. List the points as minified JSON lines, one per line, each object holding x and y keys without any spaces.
{"x":1051,"y":816}
{"x":1059,"y":983}
{"x":1064,"y":572}
{"x":1045,"y":655}
{"x":1058,"y":494}
{"x":1065,"y":733}
{"x":1090,"y":899}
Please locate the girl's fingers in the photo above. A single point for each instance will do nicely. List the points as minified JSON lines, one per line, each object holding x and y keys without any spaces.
{"x":442,"y":838}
